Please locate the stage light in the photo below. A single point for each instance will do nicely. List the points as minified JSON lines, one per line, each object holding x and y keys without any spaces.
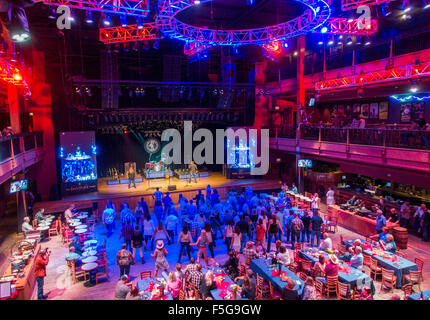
{"x":386,"y":11}
{"x":52,"y":14}
{"x":324,"y":29}
{"x":295,"y":53}
{"x":107,"y":21}
{"x":18,"y":24}
{"x":196,"y":1}
{"x":426,"y":4}
{"x":139,"y":23}
{"x":285,"y":44}
{"x":123,"y":20}
{"x":156,"y":44}
{"x":350,"y":19}
{"x":320,"y":43}
{"x":406,"y":7}
{"x":331,"y":41}
{"x":88,"y":17}
{"x":413,"y":88}
{"x":359,"y":40}
{"x":367,"y":42}
{"x":17,"y":77}
{"x":349,"y":41}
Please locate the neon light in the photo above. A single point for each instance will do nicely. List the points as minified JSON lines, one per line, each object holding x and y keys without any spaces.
{"x":410,"y":98}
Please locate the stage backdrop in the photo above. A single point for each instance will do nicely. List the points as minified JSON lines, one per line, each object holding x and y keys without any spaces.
{"x":78,"y":162}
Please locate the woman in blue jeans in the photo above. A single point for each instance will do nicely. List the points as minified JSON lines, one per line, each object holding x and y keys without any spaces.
{"x":272,"y":231}
{"x":185,"y":239}
{"x":148,"y":230}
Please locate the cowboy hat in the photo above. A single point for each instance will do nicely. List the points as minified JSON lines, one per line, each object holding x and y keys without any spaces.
{"x":160,"y":244}
{"x":333,"y":259}
{"x":249,"y":244}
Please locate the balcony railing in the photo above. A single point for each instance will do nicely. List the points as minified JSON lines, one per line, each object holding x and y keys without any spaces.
{"x":410,"y":139}
{"x":12,"y":146}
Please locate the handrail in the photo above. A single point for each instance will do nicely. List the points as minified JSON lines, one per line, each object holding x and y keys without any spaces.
{"x":384,"y":137}
{"x":14,"y":145}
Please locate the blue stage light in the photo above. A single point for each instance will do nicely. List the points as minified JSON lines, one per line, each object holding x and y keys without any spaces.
{"x":123,"y":20}
{"x":107,"y":21}
{"x":88,"y":17}
{"x":285,"y":44}
{"x":324,"y":29}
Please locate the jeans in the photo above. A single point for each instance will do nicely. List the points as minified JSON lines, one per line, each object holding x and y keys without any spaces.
{"x":187,"y":246}
{"x":306,"y":234}
{"x":211,"y":249}
{"x":316,"y":234}
{"x":124,"y":270}
{"x":171,"y":234}
{"x":131,"y":181}
{"x":269,"y":239}
{"x":288,"y":234}
{"x":128,"y":244}
{"x":109,"y":229}
{"x":243,"y":242}
{"x":295,"y":236}
{"x":39,"y":281}
{"x":228,"y":243}
{"x":425,"y":233}
{"x":148,"y":238}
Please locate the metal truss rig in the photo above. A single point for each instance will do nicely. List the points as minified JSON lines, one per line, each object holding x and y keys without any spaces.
{"x":127,"y":7}
{"x":405,"y":72}
{"x":353,"y":4}
{"x":355,"y":27}
{"x":315,"y":15}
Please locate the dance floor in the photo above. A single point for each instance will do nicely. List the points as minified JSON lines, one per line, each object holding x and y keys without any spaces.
{"x":121,"y":192}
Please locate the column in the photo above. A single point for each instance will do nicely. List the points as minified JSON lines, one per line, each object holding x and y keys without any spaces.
{"x":300,"y":99}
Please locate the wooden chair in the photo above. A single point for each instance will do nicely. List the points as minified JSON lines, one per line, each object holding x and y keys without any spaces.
{"x":261,"y":289}
{"x":414,"y":277}
{"x":331,"y":286}
{"x":343,"y":291}
{"x":306,"y":266}
{"x":300,"y":245}
{"x":77,"y":272}
{"x":145,"y":274}
{"x":407,"y":290}
{"x":331,"y":224}
{"x":302,"y":276}
{"x":242,"y":270}
{"x":102,"y":272}
{"x":420,"y":264}
{"x":366,"y":260}
{"x":374,"y":269}
{"x":274,"y":295}
{"x":389,"y":280}
{"x":53,"y":229}
{"x":181,"y":294}
{"x":319,"y":287}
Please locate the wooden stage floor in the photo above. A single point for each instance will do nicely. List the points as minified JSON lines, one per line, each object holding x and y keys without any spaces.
{"x":121,"y":192}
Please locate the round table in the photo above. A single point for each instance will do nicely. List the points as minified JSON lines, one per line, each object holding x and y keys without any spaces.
{"x":88,"y":267}
{"x":75,"y":224}
{"x":42,"y":228}
{"x":80,"y":231}
{"x":89,"y":253}
{"x":81,"y":226}
{"x":90,"y":243}
{"x":43,"y":232}
{"x":89,"y":259}
{"x":82,"y":216}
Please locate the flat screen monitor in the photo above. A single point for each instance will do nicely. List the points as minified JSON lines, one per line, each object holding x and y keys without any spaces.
{"x":311,"y":102}
{"x":343,"y":177}
{"x":5,"y":289}
{"x":388,"y":184}
{"x":17,"y":185}
{"x":304,"y":163}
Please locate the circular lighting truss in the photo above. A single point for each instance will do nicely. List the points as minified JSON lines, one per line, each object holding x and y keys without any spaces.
{"x":316,"y":13}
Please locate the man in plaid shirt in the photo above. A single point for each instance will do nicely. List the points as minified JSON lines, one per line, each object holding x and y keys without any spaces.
{"x":195,"y":229}
{"x":191,"y":267}
{"x":249,"y":253}
{"x":196,"y":276}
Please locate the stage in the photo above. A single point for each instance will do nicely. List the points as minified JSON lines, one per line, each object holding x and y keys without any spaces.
{"x":120,"y":192}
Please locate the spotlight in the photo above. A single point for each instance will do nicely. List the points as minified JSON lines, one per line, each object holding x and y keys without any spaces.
{"x":196,"y":1}
{"x":320,"y":43}
{"x":349,"y":41}
{"x":386,"y":11}
{"x":331,"y":41}
{"x":123,"y":20}
{"x":350,"y":19}
{"x":156,"y":44}
{"x":17,"y":77}
{"x":359,"y":41}
{"x":426,"y":4}
{"x":413,"y":86}
{"x":324,"y":29}
{"x":285,"y":44}
{"x":367,"y":42}
{"x":88,"y":17}
{"x":17,"y":24}
{"x":341,"y":36}
{"x":295,"y":53}
{"x":107,"y":20}
{"x":52,"y":14}
{"x":139,"y":23}
{"x":406,"y":6}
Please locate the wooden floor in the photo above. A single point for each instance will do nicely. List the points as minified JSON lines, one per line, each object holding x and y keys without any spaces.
{"x":121,"y":192}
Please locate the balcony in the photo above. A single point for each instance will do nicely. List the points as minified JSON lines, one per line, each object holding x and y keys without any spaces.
{"x":18,"y":152}
{"x":406,"y":149}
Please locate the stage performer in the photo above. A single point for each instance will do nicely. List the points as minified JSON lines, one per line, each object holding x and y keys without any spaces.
{"x":131,"y":176}
{"x":192,"y":167}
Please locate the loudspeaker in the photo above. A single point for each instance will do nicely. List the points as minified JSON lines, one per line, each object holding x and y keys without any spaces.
{"x":171,"y":188}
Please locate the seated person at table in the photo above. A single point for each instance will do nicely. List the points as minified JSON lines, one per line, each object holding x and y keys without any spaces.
{"x":27,"y":228}
{"x":381,"y":236}
{"x":40,"y":216}
{"x":365,"y":294}
{"x":76,"y":245}
{"x":351,"y":201}
{"x":70,"y":213}
{"x":283,"y":256}
{"x":288,"y":292}
{"x":133,"y":294}
{"x":319,"y":266}
{"x":248,"y":290}
{"x":357,"y":258}
{"x":207,"y":284}
{"x":309,"y":291}
{"x":72,"y":255}
{"x":249,"y":253}
{"x":232,"y":265}
{"x":390,"y":245}
{"x":174,"y":285}
{"x":331,"y":269}
{"x":326,"y":244}
{"x":122,"y":288}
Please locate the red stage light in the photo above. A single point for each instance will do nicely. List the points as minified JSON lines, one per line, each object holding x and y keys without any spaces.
{"x":17,"y":77}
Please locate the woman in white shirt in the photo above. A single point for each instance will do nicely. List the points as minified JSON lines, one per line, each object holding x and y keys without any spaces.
{"x":283,"y":256}
{"x":315,"y":205}
{"x":228,"y":234}
{"x":330,"y":196}
{"x":148,"y":230}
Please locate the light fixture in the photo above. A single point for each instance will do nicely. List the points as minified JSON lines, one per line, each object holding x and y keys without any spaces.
{"x":406,"y":7}
{"x":426,"y":4}
{"x":139,"y":23}
{"x":156,"y":44}
{"x":349,"y":41}
{"x":295,"y":53}
{"x":386,"y":11}
{"x":52,"y":14}
{"x":17,"y":24}
{"x":350,"y":19}
{"x":88,"y":17}
{"x":359,"y":40}
{"x":196,"y":1}
{"x":413,"y":87}
{"x":367,"y":41}
{"x":285,"y":44}
{"x":324,"y":29}
{"x":107,"y":20}
{"x":320,"y":43}
{"x":331,"y":41}
{"x":123,"y":20}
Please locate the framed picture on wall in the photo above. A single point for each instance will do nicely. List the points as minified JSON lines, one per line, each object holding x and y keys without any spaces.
{"x":417,"y":109}
{"x":356,"y":109}
{"x":383,"y":110}
{"x":365,"y":110}
{"x":374,"y":110}
{"x":405,"y":113}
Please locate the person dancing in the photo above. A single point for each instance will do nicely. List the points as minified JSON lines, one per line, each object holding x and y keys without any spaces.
{"x":202,"y":242}
{"x":192,"y":167}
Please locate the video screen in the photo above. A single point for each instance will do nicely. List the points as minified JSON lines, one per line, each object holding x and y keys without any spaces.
{"x":304,"y":163}
{"x":17,"y":185}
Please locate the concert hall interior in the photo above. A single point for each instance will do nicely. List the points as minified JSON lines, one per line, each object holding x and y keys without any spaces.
{"x":284,"y":145}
